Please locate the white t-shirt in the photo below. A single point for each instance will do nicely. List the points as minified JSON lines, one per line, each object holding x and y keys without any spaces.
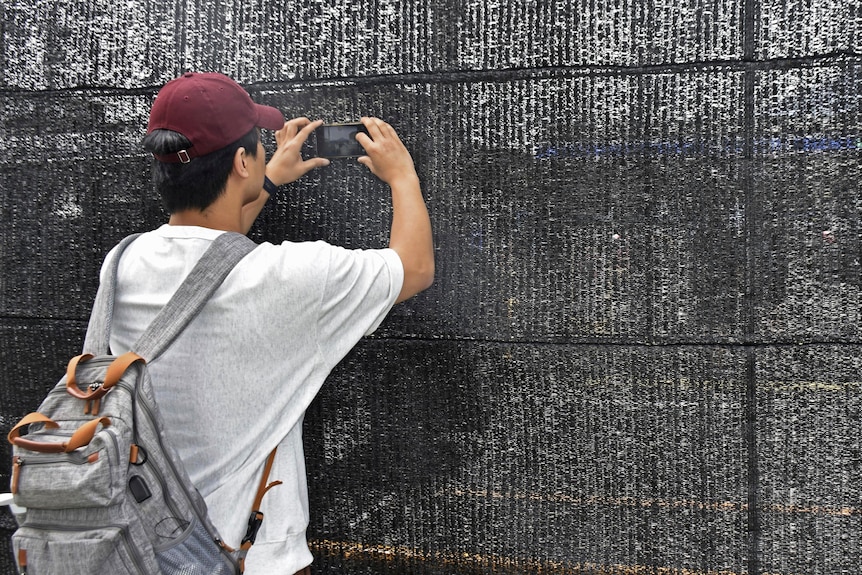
{"x":238,"y":380}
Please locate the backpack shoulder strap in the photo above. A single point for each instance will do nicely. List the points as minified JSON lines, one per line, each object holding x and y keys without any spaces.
{"x":207,"y":275}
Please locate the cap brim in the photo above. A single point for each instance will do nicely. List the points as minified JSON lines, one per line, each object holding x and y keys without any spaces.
{"x":269,"y":118}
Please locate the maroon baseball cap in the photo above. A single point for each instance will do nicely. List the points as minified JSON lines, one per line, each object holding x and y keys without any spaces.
{"x":209,"y":109}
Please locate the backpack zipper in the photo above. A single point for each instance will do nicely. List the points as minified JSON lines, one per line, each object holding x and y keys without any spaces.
{"x":133,"y":551}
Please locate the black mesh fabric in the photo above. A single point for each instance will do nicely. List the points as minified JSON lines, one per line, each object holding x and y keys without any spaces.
{"x":640,"y":353}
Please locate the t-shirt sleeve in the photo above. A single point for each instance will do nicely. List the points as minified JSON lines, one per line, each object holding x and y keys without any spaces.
{"x":361,"y":287}
{"x":106,"y":265}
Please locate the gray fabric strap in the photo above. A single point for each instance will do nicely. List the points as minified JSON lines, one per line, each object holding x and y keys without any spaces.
{"x":204,"y":279}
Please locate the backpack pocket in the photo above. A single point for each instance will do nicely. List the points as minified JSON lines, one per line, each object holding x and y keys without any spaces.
{"x":91,"y":476}
{"x":195,"y":552}
{"x":105,"y":550}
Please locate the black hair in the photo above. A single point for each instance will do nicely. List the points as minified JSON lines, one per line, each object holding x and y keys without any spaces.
{"x":198,"y":183}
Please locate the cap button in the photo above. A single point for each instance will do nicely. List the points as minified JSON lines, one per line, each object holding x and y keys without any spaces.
{"x":188,"y":74}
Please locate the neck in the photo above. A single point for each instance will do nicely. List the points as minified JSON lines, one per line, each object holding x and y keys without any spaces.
{"x":223,"y":214}
{"x":206,"y":219}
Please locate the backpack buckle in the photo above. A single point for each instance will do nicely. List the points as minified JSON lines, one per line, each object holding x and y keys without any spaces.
{"x":255,"y":520}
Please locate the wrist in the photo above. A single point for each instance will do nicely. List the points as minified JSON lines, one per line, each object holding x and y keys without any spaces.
{"x":405,"y":181}
{"x":269,"y":186}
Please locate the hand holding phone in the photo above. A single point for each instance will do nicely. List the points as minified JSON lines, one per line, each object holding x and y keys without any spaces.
{"x":286,"y":164}
{"x":339,"y":140}
{"x":385,"y":154}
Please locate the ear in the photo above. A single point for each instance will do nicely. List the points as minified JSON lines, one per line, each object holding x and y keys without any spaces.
{"x":239,"y":163}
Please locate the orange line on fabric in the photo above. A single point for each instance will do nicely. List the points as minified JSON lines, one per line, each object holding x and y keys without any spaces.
{"x":503,"y":565}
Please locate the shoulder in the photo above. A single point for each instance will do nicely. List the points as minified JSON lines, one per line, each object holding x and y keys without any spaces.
{"x":320,"y":254}
{"x":322,"y":264}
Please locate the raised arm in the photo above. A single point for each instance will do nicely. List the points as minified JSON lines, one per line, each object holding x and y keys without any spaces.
{"x":286,"y":164}
{"x":410,"y":235}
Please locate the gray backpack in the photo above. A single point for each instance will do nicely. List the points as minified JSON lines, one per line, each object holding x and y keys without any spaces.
{"x":104,"y":492}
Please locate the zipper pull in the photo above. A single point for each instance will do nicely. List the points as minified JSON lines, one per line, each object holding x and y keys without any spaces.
{"x":22,"y":561}
{"x":92,"y":406}
{"x":17,"y":462}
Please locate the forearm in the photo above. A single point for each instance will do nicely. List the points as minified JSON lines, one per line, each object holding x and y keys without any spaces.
{"x":286,"y":164}
{"x":411,"y":236}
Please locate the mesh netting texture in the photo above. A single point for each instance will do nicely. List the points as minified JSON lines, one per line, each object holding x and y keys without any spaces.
{"x":640,"y":353}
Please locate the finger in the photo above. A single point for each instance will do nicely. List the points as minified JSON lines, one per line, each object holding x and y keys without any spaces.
{"x":284,"y":134}
{"x":388,"y":130}
{"x":305,"y":132}
{"x":311,"y":164}
{"x":363,"y":139}
{"x":291,"y":127}
{"x":297,"y":138}
{"x":279,"y":134}
{"x":298,"y":123}
{"x":373,"y":127}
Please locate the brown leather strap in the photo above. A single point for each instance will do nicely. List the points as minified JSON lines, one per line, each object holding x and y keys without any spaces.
{"x":263,"y":487}
{"x":256,"y":517}
{"x":34,"y":417}
{"x":112,"y":376}
{"x":119,"y":367}
{"x":71,"y":383}
{"x":16,"y":469}
{"x":82,"y":436}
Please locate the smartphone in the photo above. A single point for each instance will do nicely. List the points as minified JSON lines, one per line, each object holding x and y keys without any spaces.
{"x":338,"y":140}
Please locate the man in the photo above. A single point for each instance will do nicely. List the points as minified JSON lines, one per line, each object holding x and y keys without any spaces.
{"x":237,"y":382}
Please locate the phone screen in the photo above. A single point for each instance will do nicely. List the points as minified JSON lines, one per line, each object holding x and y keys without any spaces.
{"x":338,"y":140}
